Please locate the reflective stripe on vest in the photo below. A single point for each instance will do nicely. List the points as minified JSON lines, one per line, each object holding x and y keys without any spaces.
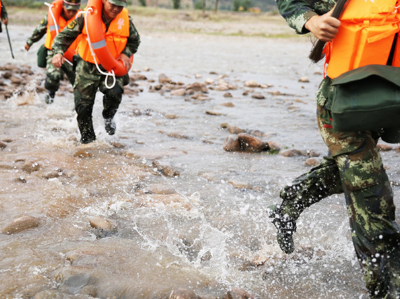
{"x":61,"y":24}
{"x":365,"y":36}
{"x":116,"y":37}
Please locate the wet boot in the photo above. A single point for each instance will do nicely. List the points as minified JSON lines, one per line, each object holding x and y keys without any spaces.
{"x":49,"y":97}
{"x":110,"y":126}
{"x":285,"y":226}
{"x":87,"y":132}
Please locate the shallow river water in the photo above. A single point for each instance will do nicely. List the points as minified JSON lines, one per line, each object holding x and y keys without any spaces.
{"x":205,"y":229}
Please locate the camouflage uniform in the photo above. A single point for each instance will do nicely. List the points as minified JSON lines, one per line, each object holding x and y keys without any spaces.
{"x":353,"y":166}
{"x":89,"y":79}
{"x":53,"y":75}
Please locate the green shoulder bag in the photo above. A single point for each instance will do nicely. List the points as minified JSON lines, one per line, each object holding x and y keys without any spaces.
{"x":367,"y":98}
{"x":42,"y":56}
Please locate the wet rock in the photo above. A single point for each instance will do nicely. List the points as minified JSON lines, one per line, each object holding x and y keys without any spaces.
{"x":170,"y":116}
{"x":198,"y":76}
{"x":235,"y":130}
{"x":30,"y":167}
{"x":227,"y":95}
{"x":178,"y":135}
{"x":222,"y":87}
{"x":178,"y":92}
{"x":228,"y":104}
{"x":237,"y":293}
{"x":53,"y":174}
{"x":304,"y":79}
{"x":231,"y":144}
{"x":256,"y":133}
{"x":240,"y":185}
{"x":16,"y":80}
{"x":209,"y":81}
{"x":274,"y":146}
{"x":251,"y":84}
{"x":6,"y":75}
{"x":83,"y":153}
{"x":381,"y":147}
{"x":250,"y":143}
{"x":117,"y":144}
{"x":258,"y":96}
{"x":103,"y":227}
{"x":21,"y":224}
{"x":200,"y":97}
{"x":2,"y":145}
{"x":168,"y":200}
{"x":312,"y":153}
{"x":137,"y":77}
{"x":159,"y":189}
{"x":162,"y":78}
{"x":6,"y":166}
{"x":311,"y":162}
{"x":166,"y":170}
{"x":182,"y":294}
{"x":197,"y":87}
{"x":214,"y":113}
{"x":293,"y":153}
{"x":20,"y":180}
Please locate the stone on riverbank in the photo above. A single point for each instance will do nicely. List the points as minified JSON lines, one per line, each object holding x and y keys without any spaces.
{"x":21,"y":224}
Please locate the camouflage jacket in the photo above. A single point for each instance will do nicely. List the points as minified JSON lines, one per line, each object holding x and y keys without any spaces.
{"x":298,"y":12}
{"x":39,"y":32}
{"x":65,"y":38}
{"x":4,"y":14}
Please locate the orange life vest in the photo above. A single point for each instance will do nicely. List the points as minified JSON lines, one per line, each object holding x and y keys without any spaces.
{"x":0,"y":7}
{"x":58,"y":23}
{"x":116,"y":37}
{"x":365,"y":36}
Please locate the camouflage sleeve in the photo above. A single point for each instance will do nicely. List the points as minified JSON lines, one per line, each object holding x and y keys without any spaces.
{"x":38,"y":33}
{"x":298,"y":12}
{"x":4,"y":14}
{"x":133,"y":40}
{"x":66,"y":37}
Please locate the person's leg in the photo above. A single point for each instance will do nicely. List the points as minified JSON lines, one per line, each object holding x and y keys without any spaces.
{"x":371,"y":210}
{"x":111,"y":101}
{"x":85,"y":88}
{"x":53,"y":77}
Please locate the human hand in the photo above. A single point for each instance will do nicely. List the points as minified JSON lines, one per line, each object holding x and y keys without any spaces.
{"x":27,"y":47}
{"x":125,"y":61}
{"x":58,"y":60}
{"x":324,"y":27}
{"x":5,"y":21}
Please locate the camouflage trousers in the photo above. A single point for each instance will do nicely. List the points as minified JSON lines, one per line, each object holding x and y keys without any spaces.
{"x":88,"y":81}
{"x":354,"y":167}
{"x":55,"y":75}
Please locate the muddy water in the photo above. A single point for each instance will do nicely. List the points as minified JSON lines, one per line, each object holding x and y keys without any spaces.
{"x":205,"y":229}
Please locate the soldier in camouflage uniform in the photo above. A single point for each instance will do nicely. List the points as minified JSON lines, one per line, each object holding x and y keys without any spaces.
{"x":89,"y":79}
{"x":353,"y":166}
{"x":54,"y":75}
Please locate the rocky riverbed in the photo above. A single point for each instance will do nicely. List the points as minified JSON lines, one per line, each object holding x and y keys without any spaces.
{"x":174,"y":205}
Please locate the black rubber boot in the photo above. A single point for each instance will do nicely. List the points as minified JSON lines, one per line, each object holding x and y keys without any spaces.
{"x":285,"y":226}
{"x":110,"y":126}
{"x":87,"y":132}
{"x":49,"y":97}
